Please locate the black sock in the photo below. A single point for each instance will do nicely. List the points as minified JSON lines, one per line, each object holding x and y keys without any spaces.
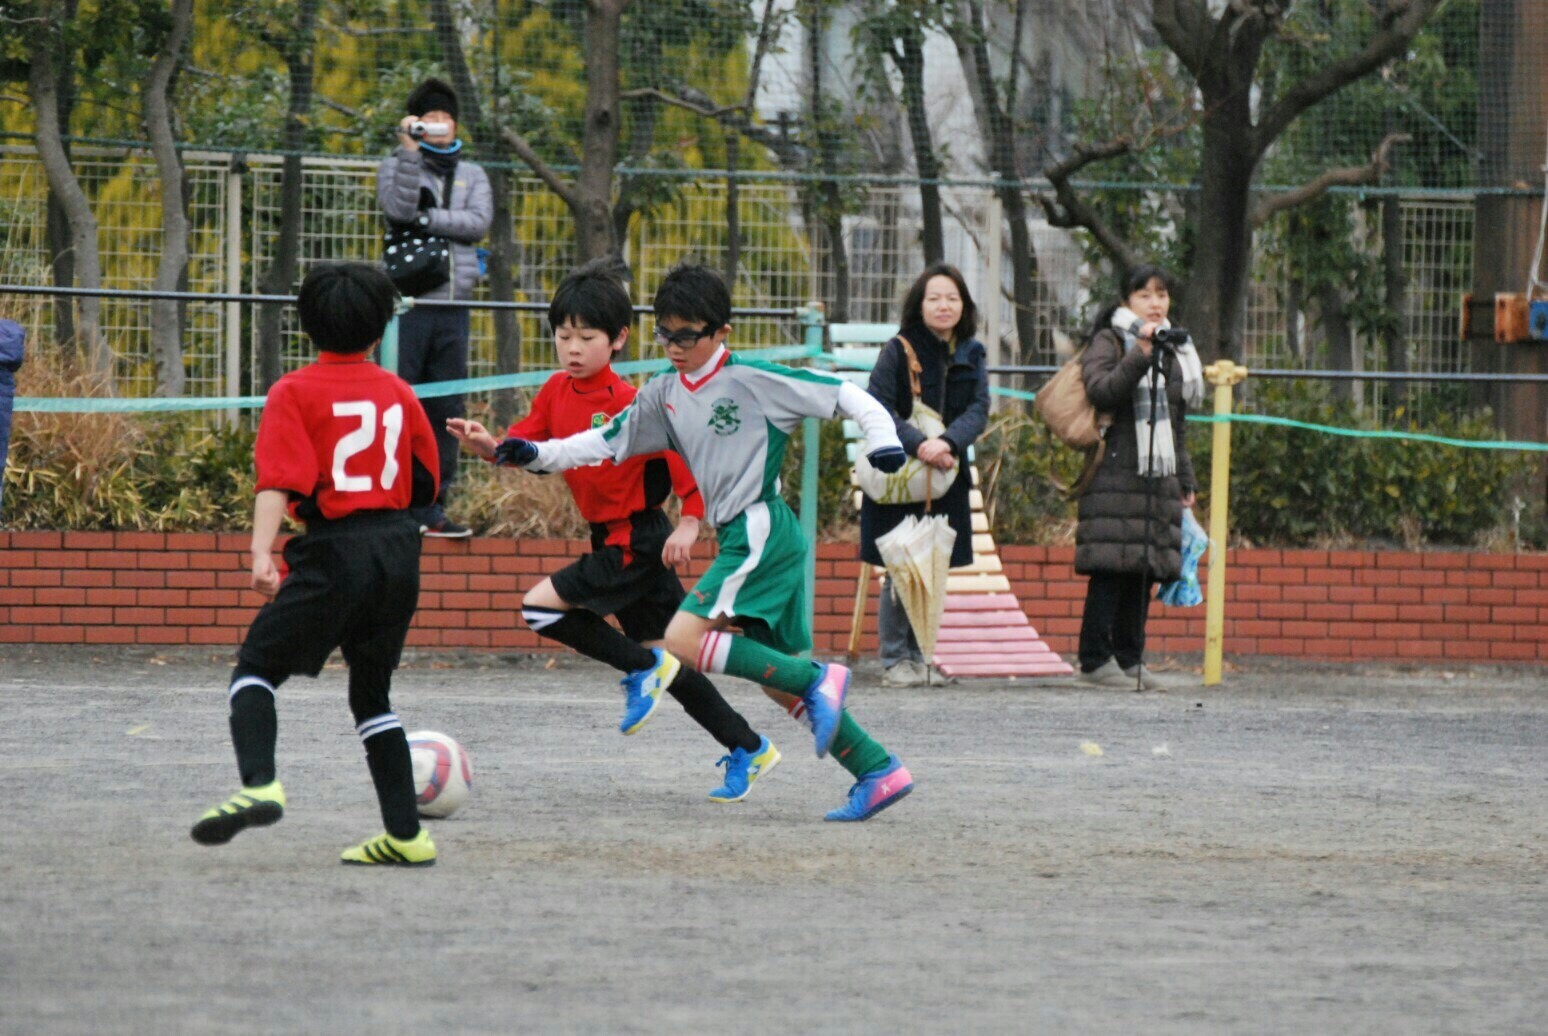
{"x":254,"y":729}
{"x":588,"y":633}
{"x":392,"y":771}
{"x":708,"y":709}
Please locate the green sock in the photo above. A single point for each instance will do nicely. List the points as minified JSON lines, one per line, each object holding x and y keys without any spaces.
{"x":752,"y":661}
{"x":857,"y":751}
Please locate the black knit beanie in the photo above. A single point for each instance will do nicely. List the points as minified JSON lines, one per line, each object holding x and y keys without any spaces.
{"x":433,"y":96}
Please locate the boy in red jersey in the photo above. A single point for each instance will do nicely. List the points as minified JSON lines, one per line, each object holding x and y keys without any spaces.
{"x":347,"y":448}
{"x":628,"y":572}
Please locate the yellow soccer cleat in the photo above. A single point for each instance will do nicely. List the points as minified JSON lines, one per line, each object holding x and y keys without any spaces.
{"x":418,"y":851}
{"x":250,"y":807}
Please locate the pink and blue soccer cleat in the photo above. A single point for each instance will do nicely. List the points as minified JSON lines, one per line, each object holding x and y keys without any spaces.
{"x":875,"y":792}
{"x":824,"y":701}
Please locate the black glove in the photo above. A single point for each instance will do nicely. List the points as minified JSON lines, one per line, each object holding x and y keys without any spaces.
{"x":888,"y":459}
{"x":516,"y":453}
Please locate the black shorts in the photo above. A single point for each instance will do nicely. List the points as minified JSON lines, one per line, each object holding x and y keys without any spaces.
{"x":644,"y":594}
{"x":353,"y":584}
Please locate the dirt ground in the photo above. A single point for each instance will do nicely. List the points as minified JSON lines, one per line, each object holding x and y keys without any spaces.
{"x":1301,"y":849}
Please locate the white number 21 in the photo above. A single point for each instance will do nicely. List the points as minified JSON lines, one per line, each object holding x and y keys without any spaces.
{"x":361,"y":439}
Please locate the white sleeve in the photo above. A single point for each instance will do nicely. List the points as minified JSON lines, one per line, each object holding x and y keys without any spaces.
{"x":573,"y":451}
{"x":874,"y":419}
{"x":788,"y":394}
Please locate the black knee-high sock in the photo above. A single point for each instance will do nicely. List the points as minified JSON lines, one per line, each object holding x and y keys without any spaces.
{"x":254,"y":729}
{"x":704,"y":704}
{"x":392,"y":771}
{"x":588,"y":633}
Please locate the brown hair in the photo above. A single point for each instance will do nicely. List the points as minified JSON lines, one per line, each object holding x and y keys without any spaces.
{"x":913,"y":302}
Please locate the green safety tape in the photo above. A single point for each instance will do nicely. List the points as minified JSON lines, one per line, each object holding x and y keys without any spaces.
{"x":1349,"y":433}
{"x":46,"y":405}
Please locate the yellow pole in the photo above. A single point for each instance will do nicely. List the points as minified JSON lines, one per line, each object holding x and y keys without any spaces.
{"x":1222,"y":375}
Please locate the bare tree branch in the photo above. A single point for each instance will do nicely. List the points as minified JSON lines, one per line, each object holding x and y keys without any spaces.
{"x":734,"y":116}
{"x":545,"y":172}
{"x":1404,"y":19}
{"x":1068,"y":209}
{"x":1347,"y":176}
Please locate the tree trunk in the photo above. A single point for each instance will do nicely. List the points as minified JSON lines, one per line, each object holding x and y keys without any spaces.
{"x":502,"y":233}
{"x":1000,"y":130}
{"x":62,"y":182}
{"x":1335,"y":324}
{"x":592,"y":205}
{"x":280,"y":276}
{"x":829,"y":206}
{"x":166,"y":322}
{"x":733,"y":208}
{"x":926,"y":162}
{"x":61,"y":255}
{"x":1215,"y":300}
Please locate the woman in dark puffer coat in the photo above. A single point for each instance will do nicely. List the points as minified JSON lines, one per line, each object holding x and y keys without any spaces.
{"x":1129,"y":536}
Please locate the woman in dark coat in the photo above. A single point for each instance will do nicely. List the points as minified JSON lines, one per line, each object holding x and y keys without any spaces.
{"x":939,"y":321}
{"x":1129,"y":536}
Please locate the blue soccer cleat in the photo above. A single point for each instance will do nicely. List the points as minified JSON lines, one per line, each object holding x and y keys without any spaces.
{"x":824,"y":701}
{"x":643,"y":689}
{"x":875,"y":792}
{"x":742,"y":769}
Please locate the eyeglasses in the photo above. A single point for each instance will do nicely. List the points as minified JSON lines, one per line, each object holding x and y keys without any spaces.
{"x":683,"y":339}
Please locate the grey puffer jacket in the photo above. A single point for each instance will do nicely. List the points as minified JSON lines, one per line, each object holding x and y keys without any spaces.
{"x":399,"y":180}
{"x":1112,"y":535}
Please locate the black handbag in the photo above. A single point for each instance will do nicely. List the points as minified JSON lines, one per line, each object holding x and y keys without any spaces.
{"x":417,"y":261}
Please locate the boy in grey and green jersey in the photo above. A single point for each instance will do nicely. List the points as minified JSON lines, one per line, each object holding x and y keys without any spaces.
{"x":730,"y":419}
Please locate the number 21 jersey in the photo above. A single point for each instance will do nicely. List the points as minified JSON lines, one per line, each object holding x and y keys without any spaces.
{"x":342,"y":435}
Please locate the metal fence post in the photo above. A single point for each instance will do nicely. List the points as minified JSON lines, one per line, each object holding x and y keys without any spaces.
{"x":813,"y":321}
{"x":233,"y":315}
{"x":387,"y":352}
{"x":1222,"y":375}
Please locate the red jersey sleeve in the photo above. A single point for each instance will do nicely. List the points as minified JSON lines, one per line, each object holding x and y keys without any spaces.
{"x":284,"y":455}
{"x":684,"y":486}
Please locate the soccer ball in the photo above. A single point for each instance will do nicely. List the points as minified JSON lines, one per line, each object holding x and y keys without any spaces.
{"x":443,"y":773}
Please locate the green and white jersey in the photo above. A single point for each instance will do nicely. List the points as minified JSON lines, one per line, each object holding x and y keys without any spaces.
{"x":731,"y":426}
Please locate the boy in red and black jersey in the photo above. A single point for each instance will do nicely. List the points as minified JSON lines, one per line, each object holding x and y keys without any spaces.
{"x":629,"y":571}
{"x":346,"y":447}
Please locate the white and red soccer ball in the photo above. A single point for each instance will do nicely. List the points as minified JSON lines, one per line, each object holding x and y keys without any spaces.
{"x":443,"y":773}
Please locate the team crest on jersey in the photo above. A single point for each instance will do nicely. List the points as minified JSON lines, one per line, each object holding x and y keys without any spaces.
{"x":725,"y":417}
{"x":598,"y":420}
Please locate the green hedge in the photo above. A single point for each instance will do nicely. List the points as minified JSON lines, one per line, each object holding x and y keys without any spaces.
{"x":1288,"y":487}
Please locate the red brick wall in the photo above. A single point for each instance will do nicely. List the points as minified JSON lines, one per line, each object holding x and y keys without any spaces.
{"x":191,"y":589}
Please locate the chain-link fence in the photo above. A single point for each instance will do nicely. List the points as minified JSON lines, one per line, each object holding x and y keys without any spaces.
{"x":234,"y":210}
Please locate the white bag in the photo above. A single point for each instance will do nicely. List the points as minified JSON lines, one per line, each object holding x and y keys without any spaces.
{"x":915,"y":482}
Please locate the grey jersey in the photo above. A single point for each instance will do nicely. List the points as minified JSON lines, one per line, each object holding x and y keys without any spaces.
{"x":730,"y":427}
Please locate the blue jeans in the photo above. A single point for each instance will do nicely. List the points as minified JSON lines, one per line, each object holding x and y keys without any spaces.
{"x":898,"y":642}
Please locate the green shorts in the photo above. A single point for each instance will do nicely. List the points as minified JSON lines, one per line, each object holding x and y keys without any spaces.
{"x":759,"y":579}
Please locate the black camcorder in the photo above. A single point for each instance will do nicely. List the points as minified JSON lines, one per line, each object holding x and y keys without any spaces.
{"x":1169,"y":337}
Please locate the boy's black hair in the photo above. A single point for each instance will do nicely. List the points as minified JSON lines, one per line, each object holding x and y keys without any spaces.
{"x":592,"y":296}
{"x":345,"y":307}
{"x":695,"y":294}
